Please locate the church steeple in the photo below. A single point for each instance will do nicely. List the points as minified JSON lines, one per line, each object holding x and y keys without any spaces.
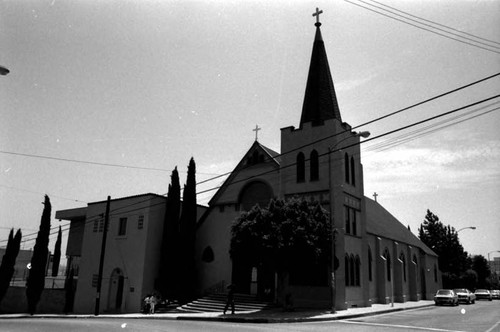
{"x":320,"y":101}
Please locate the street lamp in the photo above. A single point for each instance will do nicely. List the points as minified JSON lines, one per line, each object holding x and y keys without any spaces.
{"x":469,"y":227}
{"x":333,"y":281}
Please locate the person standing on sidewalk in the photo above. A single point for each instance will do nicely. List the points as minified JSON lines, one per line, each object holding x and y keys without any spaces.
{"x":230,"y":299}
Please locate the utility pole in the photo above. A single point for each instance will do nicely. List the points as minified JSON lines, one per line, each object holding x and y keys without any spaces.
{"x":101,"y":261}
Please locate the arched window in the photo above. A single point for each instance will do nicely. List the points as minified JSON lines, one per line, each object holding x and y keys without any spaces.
{"x":346,"y":167}
{"x":358,"y":271}
{"x":353,"y":172}
{"x":301,"y":167}
{"x":346,"y":269}
{"x":387,"y":257}
{"x":314,"y":163}
{"x":370,"y":278}
{"x":403,"y":263}
{"x":208,"y":255}
{"x":256,"y":192}
{"x":352,"y":270}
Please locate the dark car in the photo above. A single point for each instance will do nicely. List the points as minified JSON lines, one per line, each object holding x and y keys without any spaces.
{"x":483,"y":294}
{"x":446,"y":296}
{"x":465,"y":295}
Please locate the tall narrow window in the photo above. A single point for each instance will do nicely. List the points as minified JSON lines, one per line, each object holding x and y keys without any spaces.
{"x":370,"y":278}
{"x":346,"y":167}
{"x":352,"y":270}
{"x":353,"y":172}
{"x":347,"y":220}
{"x":314,"y":163}
{"x":403,"y":264}
{"x":301,"y":167}
{"x":353,"y":220}
{"x":435,"y":273}
{"x":122,"y":226}
{"x":346,"y":269}
{"x":358,"y":270}
{"x":387,"y":257}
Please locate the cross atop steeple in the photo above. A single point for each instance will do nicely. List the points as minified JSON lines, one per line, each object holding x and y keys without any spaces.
{"x":257,"y":128}
{"x":317,"y":16}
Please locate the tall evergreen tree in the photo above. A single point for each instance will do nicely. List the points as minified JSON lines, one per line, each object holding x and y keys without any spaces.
{"x":9,"y":261}
{"x":188,"y":235}
{"x":444,"y":241}
{"x":57,"y":254}
{"x":36,"y":278}
{"x":168,"y":280}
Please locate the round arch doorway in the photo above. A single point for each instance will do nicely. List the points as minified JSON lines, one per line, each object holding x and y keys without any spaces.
{"x":115,"y":294}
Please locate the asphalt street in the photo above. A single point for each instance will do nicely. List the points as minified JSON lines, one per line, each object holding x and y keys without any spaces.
{"x":483,"y":316}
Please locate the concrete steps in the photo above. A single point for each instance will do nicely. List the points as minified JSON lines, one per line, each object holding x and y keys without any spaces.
{"x":217,"y":302}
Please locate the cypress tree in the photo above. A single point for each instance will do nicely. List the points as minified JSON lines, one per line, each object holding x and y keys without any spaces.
{"x":36,"y":278}
{"x":57,"y":254}
{"x":188,"y":235}
{"x":167,"y":283}
{"x":9,"y":261}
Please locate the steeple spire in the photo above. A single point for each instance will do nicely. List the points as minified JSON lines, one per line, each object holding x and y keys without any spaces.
{"x":320,"y":101}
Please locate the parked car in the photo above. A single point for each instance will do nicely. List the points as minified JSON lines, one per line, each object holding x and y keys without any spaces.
{"x":446,"y":296}
{"x":495,"y":294}
{"x":483,"y":294}
{"x":465,"y":295}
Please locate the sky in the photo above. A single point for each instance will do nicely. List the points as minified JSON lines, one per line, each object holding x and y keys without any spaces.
{"x":107,"y":97}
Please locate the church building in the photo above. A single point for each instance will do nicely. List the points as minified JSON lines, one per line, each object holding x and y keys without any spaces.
{"x":379,"y":259}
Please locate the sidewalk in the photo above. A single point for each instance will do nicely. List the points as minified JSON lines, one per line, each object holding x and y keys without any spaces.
{"x":263,"y":316}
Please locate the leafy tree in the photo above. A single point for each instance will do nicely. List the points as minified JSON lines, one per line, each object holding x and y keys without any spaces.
{"x":188,"y":235}
{"x":57,"y":254}
{"x":9,"y":261}
{"x":169,"y":258}
{"x":287,"y":235}
{"x":36,"y":278}
{"x":482,"y":268}
{"x":444,"y":241}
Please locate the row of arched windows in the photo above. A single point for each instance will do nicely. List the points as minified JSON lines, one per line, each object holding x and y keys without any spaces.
{"x":352,"y":270}
{"x":313,"y":166}
{"x":387,"y":257}
{"x":349,"y":165}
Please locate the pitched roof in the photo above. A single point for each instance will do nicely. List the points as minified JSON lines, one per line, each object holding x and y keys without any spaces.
{"x":320,"y":100}
{"x":381,"y":223}
{"x":274,"y":157}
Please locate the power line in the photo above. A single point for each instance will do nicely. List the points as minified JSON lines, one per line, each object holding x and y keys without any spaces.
{"x":435,"y":23}
{"x":423,"y":28}
{"x":91,"y":219}
{"x":365,"y":141}
{"x":91,"y":162}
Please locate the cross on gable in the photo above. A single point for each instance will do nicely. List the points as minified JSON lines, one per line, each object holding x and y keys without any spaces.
{"x":257,"y":128}
{"x":375,"y":196}
{"x":317,"y":14}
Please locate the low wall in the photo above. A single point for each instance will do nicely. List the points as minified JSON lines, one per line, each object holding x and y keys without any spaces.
{"x":51,"y":302}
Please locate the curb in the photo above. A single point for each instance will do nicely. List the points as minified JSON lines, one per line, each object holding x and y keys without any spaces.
{"x":229,"y":318}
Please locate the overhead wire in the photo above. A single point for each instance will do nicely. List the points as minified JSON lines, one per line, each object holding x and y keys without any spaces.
{"x":382,"y":117}
{"x":424,"y":28}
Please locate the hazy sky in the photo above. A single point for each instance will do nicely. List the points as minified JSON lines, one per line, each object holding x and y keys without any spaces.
{"x":150,"y":84}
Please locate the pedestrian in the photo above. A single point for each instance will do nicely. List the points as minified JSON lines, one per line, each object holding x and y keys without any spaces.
{"x":230,"y":299}
{"x":153,"y":300}
{"x":147,"y":304}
